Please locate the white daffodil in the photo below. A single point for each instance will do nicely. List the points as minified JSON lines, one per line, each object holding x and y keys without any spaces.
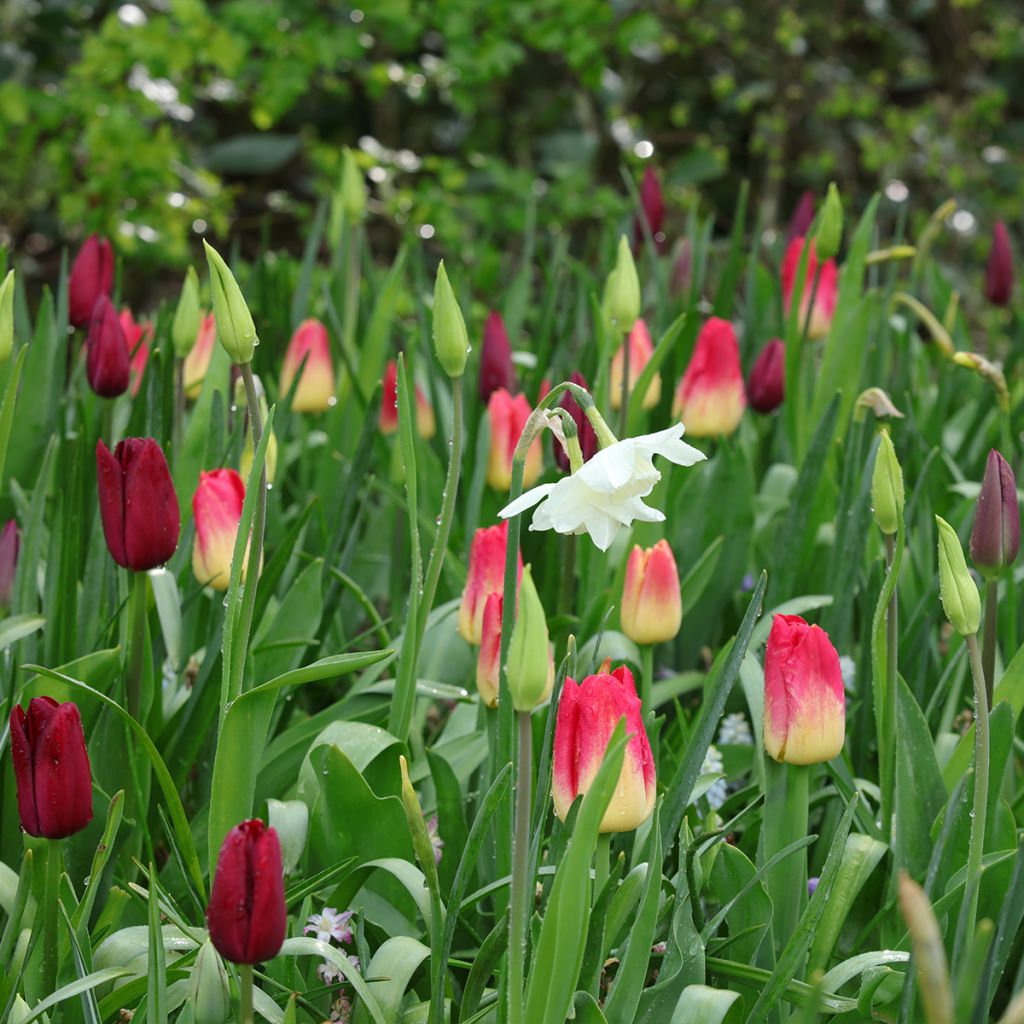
{"x":606,"y":493}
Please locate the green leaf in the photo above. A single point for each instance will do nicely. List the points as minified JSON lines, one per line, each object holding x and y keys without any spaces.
{"x":333,"y":955}
{"x":390,"y":970}
{"x":15,"y":627}
{"x":700,"y":574}
{"x":701,"y":1004}
{"x":156,"y":990}
{"x":75,"y":988}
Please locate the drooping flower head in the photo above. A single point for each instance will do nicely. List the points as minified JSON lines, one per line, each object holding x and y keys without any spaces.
{"x":711,"y":398}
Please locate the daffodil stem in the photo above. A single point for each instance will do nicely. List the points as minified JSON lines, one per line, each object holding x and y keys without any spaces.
{"x":647,"y":678}
{"x":135,"y":661}
{"x":51,"y":894}
{"x":521,"y":883}
{"x":785,"y":821}
{"x":988,"y":658}
{"x":245,"y":987}
{"x":976,"y":845}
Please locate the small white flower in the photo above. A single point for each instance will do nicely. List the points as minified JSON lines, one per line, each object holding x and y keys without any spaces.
{"x":606,"y":494}
{"x":330,"y":925}
{"x":714,"y":765}
{"x":735,"y":729}
{"x":331,"y":975}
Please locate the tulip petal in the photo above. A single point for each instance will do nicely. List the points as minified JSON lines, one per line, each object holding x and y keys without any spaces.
{"x":111,"y":494}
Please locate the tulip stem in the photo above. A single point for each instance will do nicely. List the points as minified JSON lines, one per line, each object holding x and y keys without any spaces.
{"x":647,"y":678}
{"x":138,"y":584}
{"x":976,"y":846}
{"x":988,"y":659}
{"x":51,"y":894}
{"x":602,"y":861}
{"x":520,"y":886}
{"x":179,"y":405}
{"x":245,"y":987}
{"x":784,"y":821}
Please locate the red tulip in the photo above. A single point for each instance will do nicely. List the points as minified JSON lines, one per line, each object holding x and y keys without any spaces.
{"x":767,"y":379}
{"x":51,"y":767}
{"x":92,"y":275}
{"x":710,"y":398}
{"x":486,"y":576}
{"x":507,"y":417}
{"x":641,"y":348}
{"x":803,"y":216}
{"x":824,"y":298}
{"x":108,"y":362}
{"x":425,"y":423}
{"x":246,"y":915}
{"x":682,"y":269}
{"x":217,"y":511}
{"x":9,"y":544}
{"x":652,"y":205}
{"x":315,"y":390}
{"x":496,"y":367}
{"x":197,"y":362}
{"x":999,"y":272}
{"x":488,"y":661}
{"x":652,"y":607}
{"x":584,"y":431}
{"x":138,"y":505}
{"x":138,"y":336}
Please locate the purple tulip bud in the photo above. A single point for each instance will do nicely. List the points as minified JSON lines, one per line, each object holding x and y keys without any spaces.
{"x":496,"y":368}
{"x":652,"y":203}
{"x":803,"y":216}
{"x":682,"y":269}
{"x":999,"y":272}
{"x":9,"y":544}
{"x":767,"y":378}
{"x":585,"y":432}
{"x":92,"y":275}
{"x":995,"y":539}
{"x":108,"y":361}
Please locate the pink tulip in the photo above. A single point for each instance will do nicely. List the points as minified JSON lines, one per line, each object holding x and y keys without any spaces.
{"x":197,"y":362}
{"x":652,"y":608}
{"x":824,"y":298}
{"x":217,"y":510}
{"x":711,"y":398}
{"x":426,"y":426}
{"x":315,"y":390}
{"x":138,"y":336}
{"x":640,"y":351}
{"x":507,"y":417}
{"x":496,"y":367}
{"x":486,"y":576}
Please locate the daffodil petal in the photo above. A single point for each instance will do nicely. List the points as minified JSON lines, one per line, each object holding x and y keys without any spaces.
{"x":527,"y":500}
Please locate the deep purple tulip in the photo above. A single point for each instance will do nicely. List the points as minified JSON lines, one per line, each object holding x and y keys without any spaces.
{"x":108,"y":361}
{"x":803,"y":216}
{"x":9,"y":545}
{"x":999,"y":272}
{"x":92,"y":275}
{"x":995,"y":539}
{"x":585,"y":432}
{"x":766,"y":383}
{"x":652,"y":205}
{"x":496,"y":368}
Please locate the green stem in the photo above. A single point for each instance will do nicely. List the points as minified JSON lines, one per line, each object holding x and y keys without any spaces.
{"x":602,"y":862}
{"x":521,"y":883}
{"x":245,"y":987}
{"x":624,"y":398}
{"x":179,"y":405}
{"x":988,"y":658}
{"x":887,"y":734}
{"x":51,"y":894}
{"x":647,"y":679}
{"x":976,"y":846}
{"x":785,"y":821}
{"x":138,"y":586}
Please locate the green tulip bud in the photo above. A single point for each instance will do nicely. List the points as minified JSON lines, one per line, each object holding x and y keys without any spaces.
{"x":7,"y":317}
{"x":353,"y":187}
{"x":421,"y":843}
{"x":451,"y":342}
{"x":290,"y":820}
{"x":957,"y":590}
{"x":622,"y":290}
{"x":187,"y":316}
{"x":208,"y":992}
{"x":829,"y":233}
{"x":887,"y":495}
{"x":235,"y":329}
{"x":531,"y":672}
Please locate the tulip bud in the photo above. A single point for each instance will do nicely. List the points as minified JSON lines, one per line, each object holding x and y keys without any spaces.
{"x":496,"y":368}
{"x":187,"y":315}
{"x":137,"y":336}
{"x":508,"y":417}
{"x":585,"y":435}
{"x":803,"y":216}
{"x":51,"y":768}
{"x":652,"y":206}
{"x":7,"y":317}
{"x":10,"y":542}
{"x":995,"y":539}
{"x":531,"y":674}
{"x":421,"y":842}
{"x":426,"y":426}
{"x":829,"y":235}
{"x":290,"y":820}
{"x":999,"y":272}
{"x":588,"y":713}
{"x":640,"y":351}
{"x":353,"y":186}
{"x":315,"y":390}
{"x":486,"y":575}
{"x":197,"y":362}
{"x":622,"y":290}
{"x":235,"y":329}
{"x":246,"y":915}
{"x":108,"y":362}
{"x":682,"y":269}
{"x":451,"y":342}
{"x":138,"y":506}
{"x":887,"y":487}
{"x":92,"y":275}
{"x":488,"y":662}
{"x":710,"y":398}
{"x":767,"y":381}
{"x":208,"y":992}
{"x":217,"y":511}
{"x":652,"y":608}
{"x":825,"y":296}
{"x":804,"y":702}
{"x":957,"y":590}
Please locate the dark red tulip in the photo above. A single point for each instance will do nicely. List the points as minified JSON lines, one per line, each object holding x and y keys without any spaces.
{"x":496,"y":369}
{"x":51,"y":768}
{"x":995,"y":539}
{"x":652,"y":203}
{"x":92,"y":275}
{"x":999,"y":272}
{"x":682,"y":269}
{"x":9,"y":544}
{"x":138,"y":505}
{"x":767,"y":378}
{"x":803,"y":216}
{"x":586,"y":435}
{"x":246,"y":915}
{"x":108,"y":361}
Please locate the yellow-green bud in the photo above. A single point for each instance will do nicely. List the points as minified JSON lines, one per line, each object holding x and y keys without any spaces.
{"x":531,"y":675}
{"x":957,"y":590}
{"x":421,"y":844}
{"x":187,"y":316}
{"x":235,"y":329}
{"x":622,"y":290}
{"x":929,"y":950}
{"x":451,"y":342}
{"x":208,"y":991}
{"x":829,"y":234}
{"x":353,"y":187}
{"x":887,"y":495}
{"x":7,"y":317}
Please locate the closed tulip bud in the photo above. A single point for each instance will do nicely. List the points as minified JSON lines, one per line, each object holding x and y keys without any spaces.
{"x":51,"y":768}
{"x":92,"y":275}
{"x":887,"y":495}
{"x":622,"y":290}
{"x":767,"y":381}
{"x":508,"y":416}
{"x":138,"y":506}
{"x":217,"y":511}
{"x":235,"y":329}
{"x":187,"y":315}
{"x":999,"y":272}
{"x":587,"y":716}
{"x":209,"y":994}
{"x":995,"y":539}
{"x":652,"y":206}
{"x":804,"y":702}
{"x":426,"y":426}
{"x":829,"y":235}
{"x":585,"y":435}
{"x":957,"y":590}
{"x":315,"y":390}
{"x":7,"y":317}
{"x":803,"y":216}
{"x":197,"y":362}
{"x":682,"y":269}
{"x":451,"y":342}
{"x":138,"y":336}
{"x":826,"y":295}
{"x":531,"y":673}
{"x":353,"y":186}
{"x":486,"y":575}
{"x":488,"y":661}
{"x":652,"y":608}
{"x":246,"y":915}
{"x":496,"y":368}
{"x":710,"y":398}
{"x":640,"y":351}
{"x":108,"y":361}
{"x":10,"y":542}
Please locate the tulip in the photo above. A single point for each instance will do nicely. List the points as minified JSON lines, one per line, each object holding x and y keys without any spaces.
{"x":587,"y":716}
{"x":710,"y":398}
{"x":92,"y":275}
{"x":804,"y":702}
{"x":426,"y":426}
{"x":652,"y":205}
{"x":51,"y":768}
{"x":315,"y":390}
{"x":829,"y":234}
{"x":187,"y":316}
{"x":995,"y":539}
{"x":10,"y":542}
{"x":246,"y":458}
{"x":621,"y":304}
{"x":451,"y":342}
{"x":682,"y":269}
{"x":217,"y":510}
{"x":803,"y":216}
{"x":246,"y":915}
{"x":999,"y":272}
{"x":138,"y":505}
{"x":957,"y":590}
{"x":352,"y":193}
{"x":584,"y":431}
{"x":108,"y":361}
{"x":496,"y":369}
{"x":640,"y":351}
{"x":508,"y":417}
{"x":652,"y":607}
{"x":138,"y":336}
{"x":197,"y":362}
{"x":887,"y":494}
{"x":486,"y":575}
{"x":824,"y":297}
{"x":7,"y":317}
{"x":235,"y":329}
{"x":530,"y":670}
{"x":767,"y":380}
{"x":488,"y":662}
